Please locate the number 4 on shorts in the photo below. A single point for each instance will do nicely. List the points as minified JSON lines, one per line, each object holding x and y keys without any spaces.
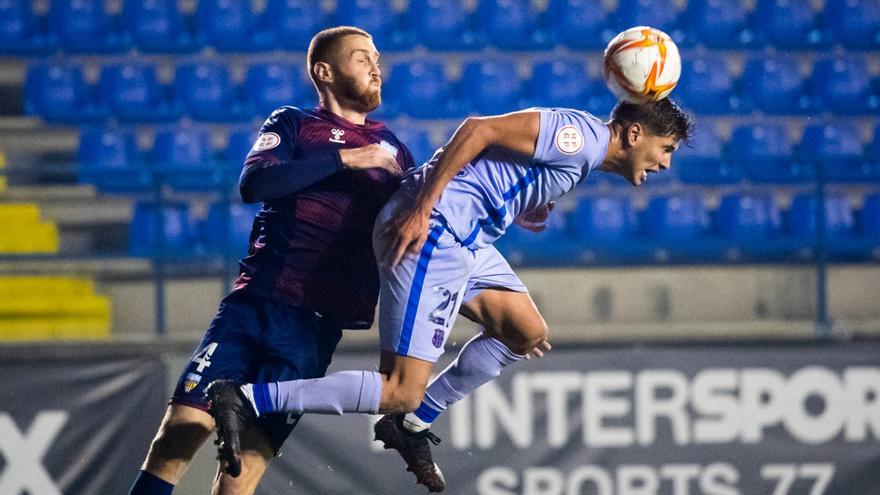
{"x":203,"y":357}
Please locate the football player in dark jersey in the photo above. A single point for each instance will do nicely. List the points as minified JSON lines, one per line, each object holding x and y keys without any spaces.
{"x":322,"y":176}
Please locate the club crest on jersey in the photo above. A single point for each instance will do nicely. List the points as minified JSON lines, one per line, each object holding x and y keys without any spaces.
{"x":438,"y":338}
{"x":569,"y":140}
{"x":337,"y":136}
{"x":190,"y":382}
{"x":267,"y":141}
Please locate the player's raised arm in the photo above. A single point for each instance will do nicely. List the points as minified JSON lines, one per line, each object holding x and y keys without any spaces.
{"x":271,"y":172}
{"x":517,"y":131}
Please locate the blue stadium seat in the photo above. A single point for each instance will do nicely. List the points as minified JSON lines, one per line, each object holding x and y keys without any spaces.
{"x":444,"y":25}
{"x":132,"y":93}
{"x":20,"y":30}
{"x":720,"y":24}
{"x":746,"y":217}
{"x":844,"y":86}
{"x":869,"y":217}
{"x":707,"y":87}
{"x":206,"y":93}
{"x":157,"y":26}
{"x":766,"y":152}
{"x":774,"y":85}
{"x":513,"y":25}
{"x":839,"y":218}
{"x":184,"y":159}
{"x":788,"y":24}
{"x":236,"y":220}
{"x":660,"y":14}
{"x":58,"y":92}
{"x":85,"y":26}
{"x":428,"y":93}
{"x":292,"y":23}
{"x":600,"y":101}
{"x":676,"y":218}
{"x":169,"y":233}
{"x":271,"y":85}
{"x":855,"y":23}
{"x":560,"y":83}
{"x":417,"y":140}
{"x":109,"y":159}
{"x":704,"y":161}
{"x":874,"y":149}
{"x":579,"y":24}
{"x":837,"y":148}
{"x":378,"y":18}
{"x":230,"y":26}
{"x":238,"y":144}
{"x":603,"y":219}
{"x":492,"y":87}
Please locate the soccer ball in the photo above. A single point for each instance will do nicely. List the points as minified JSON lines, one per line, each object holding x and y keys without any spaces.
{"x":642,"y":64}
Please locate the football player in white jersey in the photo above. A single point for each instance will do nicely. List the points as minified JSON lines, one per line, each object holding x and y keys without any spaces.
{"x":434,"y":240}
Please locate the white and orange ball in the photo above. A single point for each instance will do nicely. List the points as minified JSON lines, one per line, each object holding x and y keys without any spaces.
{"x":642,"y":64}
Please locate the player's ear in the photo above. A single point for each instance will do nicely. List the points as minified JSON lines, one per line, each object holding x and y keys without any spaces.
{"x":634,"y":133}
{"x":323,"y":72}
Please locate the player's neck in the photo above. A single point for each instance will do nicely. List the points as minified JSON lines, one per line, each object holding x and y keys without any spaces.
{"x":333,"y":106}
{"x":611,"y":161}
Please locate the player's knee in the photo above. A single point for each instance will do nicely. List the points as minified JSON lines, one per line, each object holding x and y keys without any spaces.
{"x":527,"y":337}
{"x":401,"y":400}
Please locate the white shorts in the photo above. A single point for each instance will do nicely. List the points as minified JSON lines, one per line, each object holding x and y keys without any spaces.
{"x":420,"y":297}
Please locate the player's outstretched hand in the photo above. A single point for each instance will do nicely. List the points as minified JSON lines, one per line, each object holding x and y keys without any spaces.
{"x":536,"y":218}
{"x":406,"y":232}
{"x":370,"y":156}
{"x":538,"y":351}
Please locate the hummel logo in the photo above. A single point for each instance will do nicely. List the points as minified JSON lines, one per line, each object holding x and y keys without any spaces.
{"x":337,"y":135}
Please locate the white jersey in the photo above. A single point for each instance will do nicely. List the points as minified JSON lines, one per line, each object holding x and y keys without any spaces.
{"x":489,"y":192}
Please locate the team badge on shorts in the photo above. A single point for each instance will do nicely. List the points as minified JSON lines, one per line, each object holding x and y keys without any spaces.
{"x":438,"y":338}
{"x":191,"y":381}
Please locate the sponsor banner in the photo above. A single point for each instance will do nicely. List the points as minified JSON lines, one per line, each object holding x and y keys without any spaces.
{"x":695,"y":419}
{"x":76,"y":421}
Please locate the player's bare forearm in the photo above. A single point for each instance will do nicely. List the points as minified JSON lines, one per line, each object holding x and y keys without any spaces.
{"x":517,"y":131}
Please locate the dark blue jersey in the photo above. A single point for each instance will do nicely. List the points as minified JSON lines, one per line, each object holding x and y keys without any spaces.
{"x":311,"y":244}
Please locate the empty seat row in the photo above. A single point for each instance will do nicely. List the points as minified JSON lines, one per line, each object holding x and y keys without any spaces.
{"x":766,"y":153}
{"x":775,"y":85}
{"x":159,"y":26}
{"x":133,"y":92}
{"x":182,"y":157}
{"x":172,"y":231}
{"x":743,"y":226}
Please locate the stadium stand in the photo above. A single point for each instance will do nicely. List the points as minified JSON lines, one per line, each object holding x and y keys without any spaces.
{"x":164,"y":98}
{"x":52,"y":308}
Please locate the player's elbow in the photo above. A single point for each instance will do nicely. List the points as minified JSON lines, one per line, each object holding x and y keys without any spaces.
{"x":246,"y":190}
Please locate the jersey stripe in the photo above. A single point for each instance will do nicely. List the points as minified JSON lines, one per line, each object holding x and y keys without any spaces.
{"x":415,"y":291}
{"x":496,"y":215}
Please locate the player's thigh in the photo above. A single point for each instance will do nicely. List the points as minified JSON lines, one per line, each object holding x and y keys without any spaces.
{"x":182,"y":432}
{"x":420,"y":297}
{"x":257,"y":452}
{"x":297,"y":344}
{"x":225,"y":352}
{"x":509,"y":316}
{"x":497,"y":298}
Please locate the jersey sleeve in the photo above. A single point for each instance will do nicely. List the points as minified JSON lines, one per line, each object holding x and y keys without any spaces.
{"x":568,"y":139}
{"x":270,"y":172}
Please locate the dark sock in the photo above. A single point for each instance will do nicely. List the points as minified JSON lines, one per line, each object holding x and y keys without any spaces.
{"x":149,"y":484}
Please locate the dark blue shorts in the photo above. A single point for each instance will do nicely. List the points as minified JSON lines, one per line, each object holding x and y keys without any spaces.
{"x":253,"y":339}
